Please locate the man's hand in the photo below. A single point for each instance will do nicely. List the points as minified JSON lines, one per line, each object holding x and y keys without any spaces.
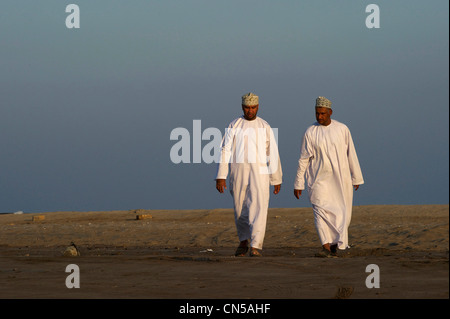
{"x":276,"y":189}
{"x":221,"y":184}
{"x":297,"y":193}
{"x":356,"y":187}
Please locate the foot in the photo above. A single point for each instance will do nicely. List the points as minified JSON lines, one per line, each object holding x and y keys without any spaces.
{"x":333,"y":248}
{"x":242,"y":249}
{"x":325,"y":253}
{"x":255,"y":253}
{"x":343,"y":252}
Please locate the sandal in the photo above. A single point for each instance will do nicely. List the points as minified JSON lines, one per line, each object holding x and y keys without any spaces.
{"x":324,"y":253}
{"x":241,"y":251}
{"x":255,"y":253}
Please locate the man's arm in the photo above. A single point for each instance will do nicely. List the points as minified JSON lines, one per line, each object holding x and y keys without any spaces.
{"x":276,"y":174}
{"x":225,"y":156}
{"x":303,"y":162}
{"x":355,"y":169}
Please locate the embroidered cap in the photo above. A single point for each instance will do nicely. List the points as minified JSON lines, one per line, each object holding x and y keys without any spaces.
{"x":250,"y":99}
{"x":323,"y":102}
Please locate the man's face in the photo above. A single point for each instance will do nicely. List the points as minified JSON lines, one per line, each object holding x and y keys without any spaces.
{"x":250,"y":111}
{"x":323,"y":115}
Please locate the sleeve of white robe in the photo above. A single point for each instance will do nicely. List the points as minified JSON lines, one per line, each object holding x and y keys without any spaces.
{"x":225,"y":153}
{"x":305,"y":154}
{"x":355,"y":169}
{"x":276,"y":174}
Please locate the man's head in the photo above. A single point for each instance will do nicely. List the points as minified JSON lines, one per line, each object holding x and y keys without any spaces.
{"x":323,"y":111}
{"x":250,"y":104}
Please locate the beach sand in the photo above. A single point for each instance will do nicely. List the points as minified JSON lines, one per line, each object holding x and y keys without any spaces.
{"x":189,"y":254}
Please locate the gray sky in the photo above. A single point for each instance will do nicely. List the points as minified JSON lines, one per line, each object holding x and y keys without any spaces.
{"x":86,"y":114}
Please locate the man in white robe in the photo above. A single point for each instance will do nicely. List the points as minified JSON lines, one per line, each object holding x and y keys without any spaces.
{"x":249,"y":154}
{"x":330,"y":165}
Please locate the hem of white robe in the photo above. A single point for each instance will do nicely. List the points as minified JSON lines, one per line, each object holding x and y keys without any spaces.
{"x":330,"y":236}
{"x":252,"y":243}
{"x":252,"y":238}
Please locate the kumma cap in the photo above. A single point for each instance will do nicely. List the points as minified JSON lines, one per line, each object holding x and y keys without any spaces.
{"x":250,"y":99}
{"x":323,"y":102}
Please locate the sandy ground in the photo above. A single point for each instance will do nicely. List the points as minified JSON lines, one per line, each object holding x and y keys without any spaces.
{"x":189,"y":255}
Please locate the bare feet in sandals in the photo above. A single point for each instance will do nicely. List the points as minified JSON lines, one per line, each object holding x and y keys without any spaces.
{"x":255,"y":253}
{"x":242,"y":249}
